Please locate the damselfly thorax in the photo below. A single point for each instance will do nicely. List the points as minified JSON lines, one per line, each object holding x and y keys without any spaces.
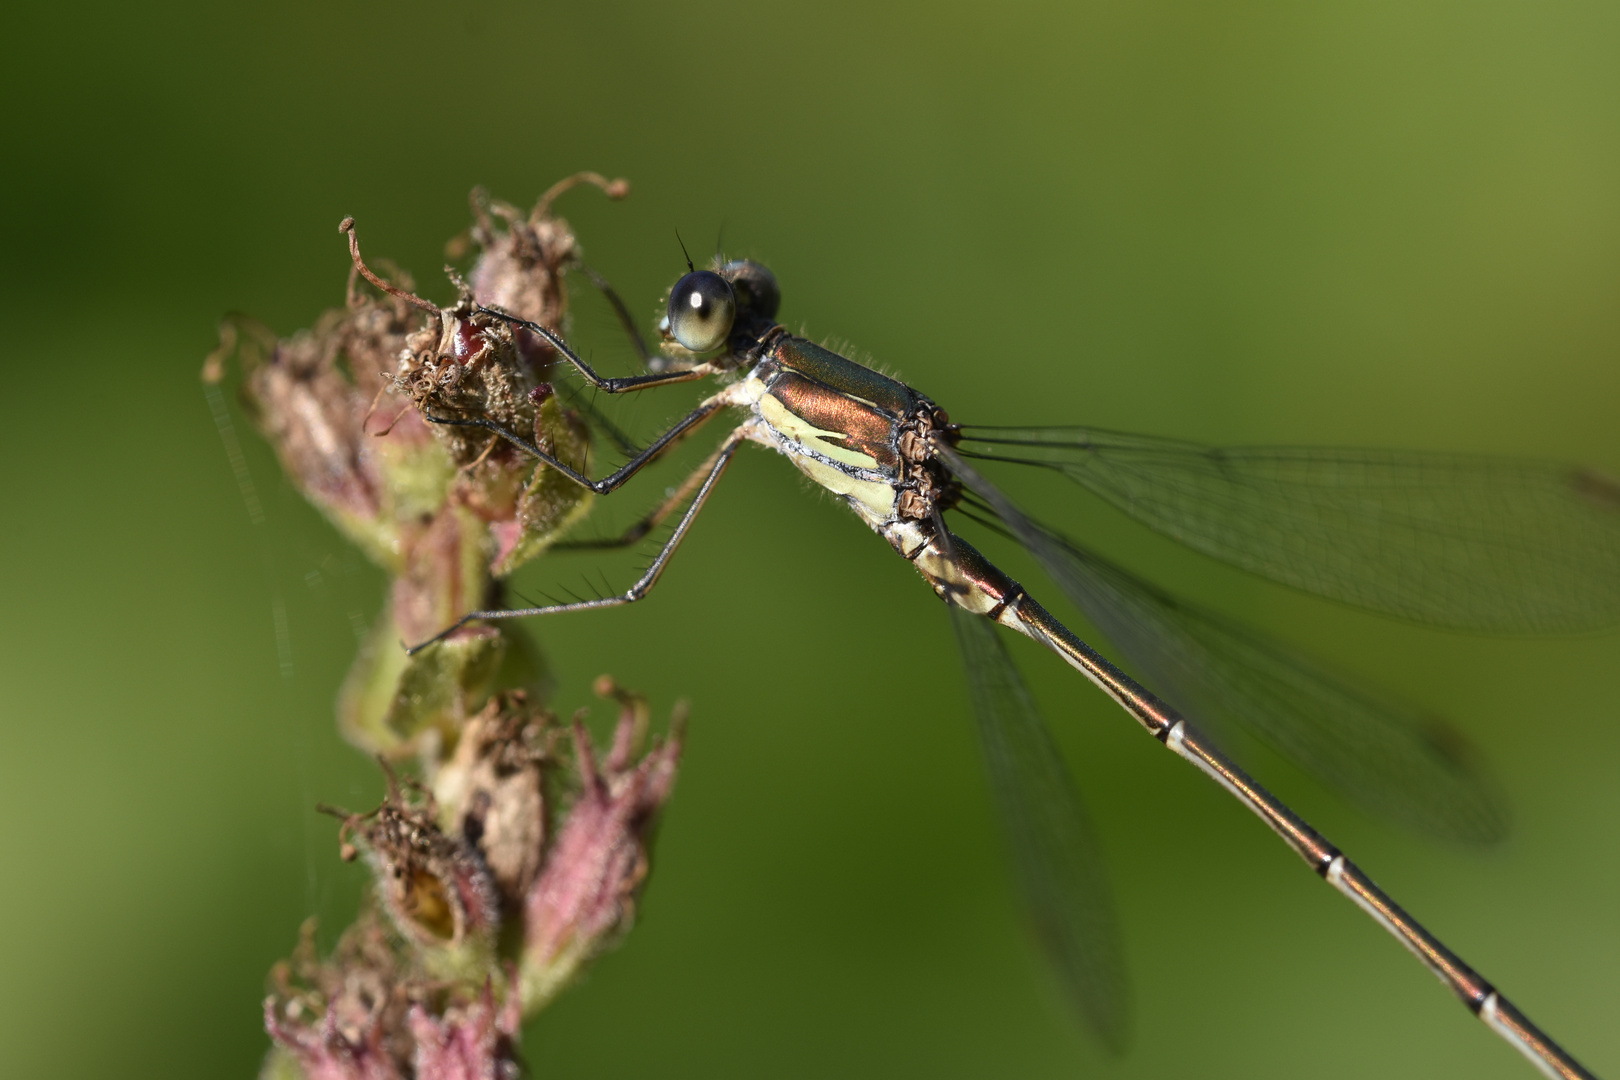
{"x":881,"y":446}
{"x":866,"y":438}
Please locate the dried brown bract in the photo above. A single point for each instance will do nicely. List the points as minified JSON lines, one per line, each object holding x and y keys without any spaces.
{"x":493,"y":790}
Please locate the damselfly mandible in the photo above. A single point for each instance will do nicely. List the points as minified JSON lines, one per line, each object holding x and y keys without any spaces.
{"x":1490,"y":544}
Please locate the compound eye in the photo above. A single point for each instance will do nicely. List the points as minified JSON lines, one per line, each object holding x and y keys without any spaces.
{"x":701,"y":310}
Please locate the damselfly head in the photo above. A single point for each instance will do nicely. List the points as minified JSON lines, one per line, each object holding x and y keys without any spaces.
{"x":702,"y":308}
{"x":707,"y":306}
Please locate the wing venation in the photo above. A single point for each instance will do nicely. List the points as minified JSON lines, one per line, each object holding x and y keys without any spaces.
{"x":1500,"y":545}
{"x":1055,"y":854}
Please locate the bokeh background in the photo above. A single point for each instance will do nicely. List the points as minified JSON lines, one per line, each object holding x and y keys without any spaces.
{"x":1353,"y":223}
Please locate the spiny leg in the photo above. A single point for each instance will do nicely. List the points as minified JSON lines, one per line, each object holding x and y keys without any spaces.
{"x":577,"y":399}
{"x":626,"y":320}
{"x":682,"y":428}
{"x":599,"y":421}
{"x":651,"y":521}
{"x":622,"y":385}
{"x":643,"y":585}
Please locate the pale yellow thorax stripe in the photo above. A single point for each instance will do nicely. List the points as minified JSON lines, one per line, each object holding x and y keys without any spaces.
{"x":795,"y":427}
{"x":872,"y":499}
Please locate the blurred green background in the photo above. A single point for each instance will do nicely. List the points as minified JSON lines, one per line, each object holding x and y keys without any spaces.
{"x":1367,"y":224}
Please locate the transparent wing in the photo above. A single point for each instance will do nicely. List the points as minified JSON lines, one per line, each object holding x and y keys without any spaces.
{"x":1055,"y":854}
{"x":1384,"y":754}
{"x":1479,"y":543}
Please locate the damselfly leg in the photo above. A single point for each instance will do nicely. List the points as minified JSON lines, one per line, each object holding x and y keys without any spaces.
{"x":643,"y":584}
{"x":684,"y":427}
{"x":638,"y":530}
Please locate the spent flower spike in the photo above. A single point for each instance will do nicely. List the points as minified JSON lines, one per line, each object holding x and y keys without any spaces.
{"x":493,"y":882}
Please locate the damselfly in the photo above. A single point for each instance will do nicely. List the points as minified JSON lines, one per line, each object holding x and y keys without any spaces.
{"x":1483,"y":543}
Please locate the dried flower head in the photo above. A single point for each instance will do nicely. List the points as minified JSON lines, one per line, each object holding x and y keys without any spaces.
{"x":447,"y":510}
{"x":366,"y":1015}
{"x":474,"y":1041}
{"x":433,"y":885}
{"x":339,"y":1019}
{"x":585,"y":895}
{"x":520,"y":268}
{"x":465,"y":365}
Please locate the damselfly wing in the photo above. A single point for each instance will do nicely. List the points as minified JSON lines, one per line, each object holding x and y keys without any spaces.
{"x":1054,"y":852}
{"x":1499,"y":545}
